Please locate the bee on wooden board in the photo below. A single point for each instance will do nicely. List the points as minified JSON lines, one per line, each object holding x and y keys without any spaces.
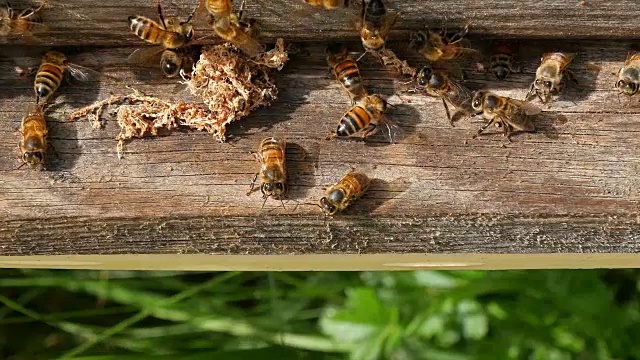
{"x":217,"y":8}
{"x":438,"y":47}
{"x":509,"y":114}
{"x":439,"y":84}
{"x":33,"y":144}
{"x":550,"y":76}
{"x":374,"y":25}
{"x":328,"y":4}
{"x":503,"y":59}
{"x":26,"y":22}
{"x":52,"y":69}
{"x":170,"y":34}
{"x":629,"y":75}
{"x":346,"y":191}
{"x":273,"y":170}
{"x":345,"y":68}
{"x":364,"y":119}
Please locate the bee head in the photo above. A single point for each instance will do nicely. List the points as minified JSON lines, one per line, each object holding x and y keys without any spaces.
{"x":328,"y":208}
{"x":477,"y":101}
{"x":33,"y":158}
{"x":501,"y":72}
{"x":424,"y":75}
{"x":627,"y":87}
{"x":272,"y":189}
{"x":54,"y":57}
{"x":170,"y":62}
{"x":417,"y":39}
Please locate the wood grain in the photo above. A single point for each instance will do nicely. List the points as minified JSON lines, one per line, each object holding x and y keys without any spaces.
{"x":106,"y":23}
{"x":572,"y":187}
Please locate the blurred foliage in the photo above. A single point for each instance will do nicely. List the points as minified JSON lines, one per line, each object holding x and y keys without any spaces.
{"x":435,"y":315}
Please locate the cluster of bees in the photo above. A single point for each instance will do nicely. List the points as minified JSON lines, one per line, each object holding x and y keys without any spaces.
{"x":366,"y":115}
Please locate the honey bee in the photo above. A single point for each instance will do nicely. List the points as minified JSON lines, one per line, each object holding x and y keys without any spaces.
{"x":273,"y":172}
{"x":436,"y":47}
{"x":24,"y":23}
{"x":439,"y":84}
{"x":218,"y":8}
{"x":33,"y":144}
{"x":510,"y":114}
{"x":374,"y":25}
{"x":238,"y":34}
{"x":629,"y":75}
{"x":170,"y":34}
{"x":503,"y":61}
{"x":550,"y":76}
{"x":342,"y":194}
{"x":328,"y":4}
{"x":52,"y":68}
{"x":345,"y":68}
{"x":364,"y":118}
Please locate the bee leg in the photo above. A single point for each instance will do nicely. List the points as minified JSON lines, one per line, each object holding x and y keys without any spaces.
{"x":531,"y":90}
{"x":571,"y":76}
{"x":446,"y":109}
{"x":368,"y":131}
{"x":483,"y":128}
{"x":459,"y":35}
{"x":253,"y":183}
{"x":161,"y":16}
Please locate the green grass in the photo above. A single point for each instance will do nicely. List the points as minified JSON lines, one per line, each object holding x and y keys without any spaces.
{"x":435,"y":315}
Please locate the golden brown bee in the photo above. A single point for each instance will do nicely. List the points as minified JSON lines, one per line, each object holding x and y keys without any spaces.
{"x":436,"y":47}
{"x":24,"y":23}
{"x":328,"y":4}
{"x":170,"y":34}
{"x":502,"y":60}
{"x":439,"y":84}
{"x":364,"y":118}
{"x":33,"y":145}
{"x":375,"y":24}
{"x":237,"y":33}
{"x":273,"y":170}
{"x":51,"y":71}
{"x":550,"y":76}
{"x":345,"y":68}
{"x":629,"y":75}
{"x":218,"y":8}
{"x":342,"y":194}
{"x":510,"y":114}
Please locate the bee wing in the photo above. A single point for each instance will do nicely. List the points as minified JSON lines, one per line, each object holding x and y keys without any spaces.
{"x":249,"y":45}
{"x":143,"y":56}
{"x":527,"y":107}
{"x":394,"y":131}
{"x":388,"y":23}
{"x":81,"y":73}
{"x":461,"y":96}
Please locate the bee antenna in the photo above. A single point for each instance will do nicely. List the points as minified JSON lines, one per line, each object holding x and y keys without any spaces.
{"x":361,"y":56}
{"x":282,"y":202}
{"x":264,"y":202}
{"x":24,"y":163}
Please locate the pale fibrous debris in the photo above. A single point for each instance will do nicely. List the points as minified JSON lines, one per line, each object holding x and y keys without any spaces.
{"x":229,"y":85}
{"x":389,"y":58}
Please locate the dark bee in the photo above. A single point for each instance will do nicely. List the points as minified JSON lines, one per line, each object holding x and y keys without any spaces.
{"x":439,"y":84}
{"x":342,"y":194}
{"x":503,"y":59}
{"x":509,"y":114}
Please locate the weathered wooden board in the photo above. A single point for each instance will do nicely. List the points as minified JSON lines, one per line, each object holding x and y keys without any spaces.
{"x":106,"y":23}
{"x":437,"y":199}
